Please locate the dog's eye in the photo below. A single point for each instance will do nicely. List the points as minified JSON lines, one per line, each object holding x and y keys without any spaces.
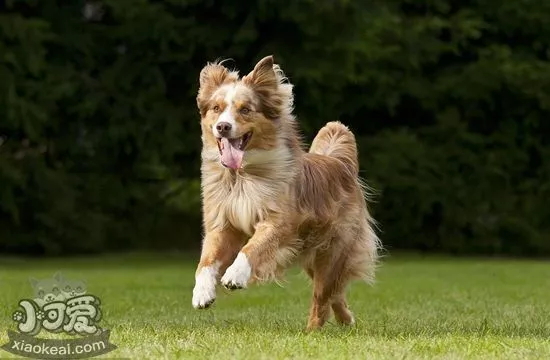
{"x":244,"y":110}
{"x":216,"y":109}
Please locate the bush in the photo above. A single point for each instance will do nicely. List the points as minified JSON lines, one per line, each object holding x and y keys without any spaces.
{"x":100,"y":136}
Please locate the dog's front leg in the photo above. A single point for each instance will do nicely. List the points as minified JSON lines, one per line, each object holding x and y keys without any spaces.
{"x":260,"y":257}
{"x":219,"y":249}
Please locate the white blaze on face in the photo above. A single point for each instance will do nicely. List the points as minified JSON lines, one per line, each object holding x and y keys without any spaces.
{"x":230,"y":145}
{"x":227,"y":114}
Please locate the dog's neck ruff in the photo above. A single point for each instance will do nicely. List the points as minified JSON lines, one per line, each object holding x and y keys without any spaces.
{"x":246,"y":196}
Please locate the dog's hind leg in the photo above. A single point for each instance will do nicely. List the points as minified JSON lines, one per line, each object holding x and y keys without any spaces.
{"x":361,"y":256}
{"x":353,"y":256}
{"x":341,"y":310}
{"x":328,"y":289}
{"x":320,"y":305}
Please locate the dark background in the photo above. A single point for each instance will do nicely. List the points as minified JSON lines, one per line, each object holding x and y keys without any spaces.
{"x":450,"y":102}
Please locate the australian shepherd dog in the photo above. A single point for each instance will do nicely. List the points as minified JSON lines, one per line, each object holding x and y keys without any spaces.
{"x":268,"y":203}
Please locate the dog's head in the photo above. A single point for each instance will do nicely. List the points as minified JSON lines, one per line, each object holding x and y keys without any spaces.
{"x":243,"y":117}
{"x":73,"y":288}
{"x":49,"y":289}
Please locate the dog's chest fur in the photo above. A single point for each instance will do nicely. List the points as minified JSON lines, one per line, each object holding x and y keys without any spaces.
{"x":242,"y":200}
{"x":246,"y":198}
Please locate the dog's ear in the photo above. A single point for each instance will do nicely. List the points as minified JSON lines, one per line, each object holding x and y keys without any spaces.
{"x":58,"y":277}
{"x":263,"y":76}
{"x":266,"y":81}
{"x":211,"y":77}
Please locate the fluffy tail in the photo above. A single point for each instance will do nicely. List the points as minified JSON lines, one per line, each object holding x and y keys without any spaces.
{"x":336,"y":140}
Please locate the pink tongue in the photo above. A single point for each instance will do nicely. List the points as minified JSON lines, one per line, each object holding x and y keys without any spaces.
{"x":231,"y":156}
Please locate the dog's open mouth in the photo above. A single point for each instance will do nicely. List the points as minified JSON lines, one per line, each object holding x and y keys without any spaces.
{"x":232,"y":150}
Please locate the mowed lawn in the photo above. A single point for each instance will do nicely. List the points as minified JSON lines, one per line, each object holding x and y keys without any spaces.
{"x":420,"y":308}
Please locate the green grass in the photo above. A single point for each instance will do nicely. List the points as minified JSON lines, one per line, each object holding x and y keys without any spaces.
{"x":420,"y":308}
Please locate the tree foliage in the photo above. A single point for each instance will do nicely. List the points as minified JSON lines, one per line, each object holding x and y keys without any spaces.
{"x":449,"y":100}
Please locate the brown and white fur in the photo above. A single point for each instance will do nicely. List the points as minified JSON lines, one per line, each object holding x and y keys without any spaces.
{"x":281,"y":205}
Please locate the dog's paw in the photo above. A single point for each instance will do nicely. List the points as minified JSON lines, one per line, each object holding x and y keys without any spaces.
{"x":204,"y":292}
{"x":238,"y":274}
{"x":203,"y":297}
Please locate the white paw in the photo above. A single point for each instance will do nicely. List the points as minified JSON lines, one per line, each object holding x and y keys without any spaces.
{"x":238,"y":274}
{"x":203,"y":297}
{"x":204,"y":292}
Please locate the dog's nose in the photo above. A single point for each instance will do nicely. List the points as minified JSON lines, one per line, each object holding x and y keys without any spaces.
{"x":223,"y":128}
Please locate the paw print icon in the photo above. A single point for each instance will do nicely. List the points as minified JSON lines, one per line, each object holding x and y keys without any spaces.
{"x":18,"y":316}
